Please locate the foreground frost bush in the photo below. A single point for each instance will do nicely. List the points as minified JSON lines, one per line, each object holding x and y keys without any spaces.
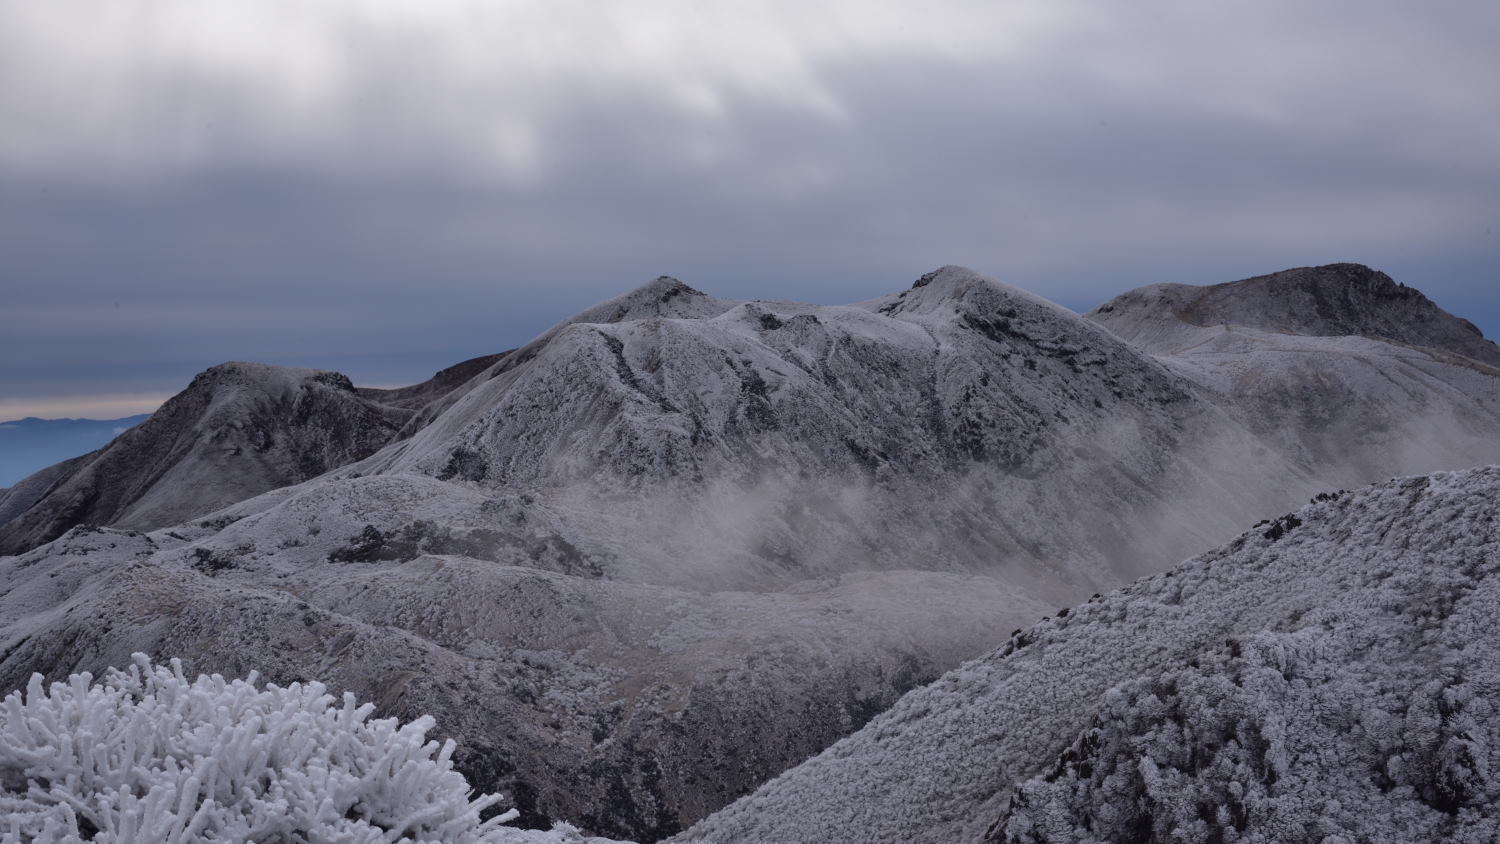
{"x":149,"y":756}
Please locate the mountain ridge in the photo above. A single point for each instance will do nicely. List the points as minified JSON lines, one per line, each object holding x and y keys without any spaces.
{"x":675,"y":522}
{"x":1327,"y":300}
{"x":238,"y":429}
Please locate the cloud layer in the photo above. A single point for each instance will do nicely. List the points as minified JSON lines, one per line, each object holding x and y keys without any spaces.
{"x":388,"y":187}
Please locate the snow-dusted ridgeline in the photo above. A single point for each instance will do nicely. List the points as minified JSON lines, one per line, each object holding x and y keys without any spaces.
{"x":1334,"y":300}
{"x":1338,"y":367}
{"x":238,"y":430}
{"x":757,"y":443}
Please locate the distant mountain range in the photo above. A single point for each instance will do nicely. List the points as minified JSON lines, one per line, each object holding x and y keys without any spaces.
{"x":678,"y":544}
{"x":31,"y":444}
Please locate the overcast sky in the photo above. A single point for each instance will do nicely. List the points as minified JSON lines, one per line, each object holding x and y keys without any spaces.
{"x":386,"y":188}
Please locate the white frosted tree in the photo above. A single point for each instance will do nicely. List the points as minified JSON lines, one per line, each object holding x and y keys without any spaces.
{"x":148,"y":755}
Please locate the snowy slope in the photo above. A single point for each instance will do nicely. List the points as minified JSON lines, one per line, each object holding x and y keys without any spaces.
{"x":1329,"y":674}
{"x":761,"y":441}
{"x":239,"y":429}
{"x":663,"y":297}
{"x":621,"y":707}
{"x":26,"y":492}
{"x":1348,"y":373}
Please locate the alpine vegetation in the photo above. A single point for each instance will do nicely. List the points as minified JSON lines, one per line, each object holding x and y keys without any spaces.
{"x":148,"y":756}
{"x":1332,"y":680}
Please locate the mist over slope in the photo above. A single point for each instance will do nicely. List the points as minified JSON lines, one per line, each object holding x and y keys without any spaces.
{"x":1337,"y":367}
{"x":622,"y":707}
{"x":761,"y":441}
{"x":677,"y":544}
{"x":1330,"y":673}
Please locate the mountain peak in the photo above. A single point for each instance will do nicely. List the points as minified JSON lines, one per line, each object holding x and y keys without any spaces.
{"x":663,"y":296}
{"x":947,"y":271}
{"x":1332,"y":300}
{"x":264,"y":375}
{"x":1337,"y":291}
{"x":659,"y":291}
{"x":237,"y":430}
{"x":954,"y":289}
{"x":665,"y":287}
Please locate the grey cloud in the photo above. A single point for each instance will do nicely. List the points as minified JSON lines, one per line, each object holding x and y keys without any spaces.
{"x":378,"y":243}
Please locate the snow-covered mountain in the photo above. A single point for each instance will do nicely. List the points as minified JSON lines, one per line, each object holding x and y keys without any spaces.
{"x":759,"y":442}
{"x":239,"y":429}
{"x":1328,"y":676}
{"x":677,"y":544}
{"x":1315,"y":359}
{"x":1334,"y":300}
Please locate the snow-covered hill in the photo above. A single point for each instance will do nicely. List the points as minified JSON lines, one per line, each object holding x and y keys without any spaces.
{"x":677,"y":544}
{"x":749,"y":444}
{"x":1328,"y":676}
{"x":1338,"y":367}
{"x":239,"y":429}
{"x":618,"y":706}
{"x":1334,"y":300}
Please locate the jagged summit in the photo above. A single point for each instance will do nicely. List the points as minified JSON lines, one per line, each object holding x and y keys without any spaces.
{"x":662,"y":297}
{"x":774,"y":403}
{"x":670,"y":286}
{"x":264,"y":374}
{"x":958,"y":292}
{"x":237,"y":430}
{"x":1333,"y":300}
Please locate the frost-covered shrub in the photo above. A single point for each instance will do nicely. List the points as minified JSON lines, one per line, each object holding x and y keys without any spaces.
{"x":1279,"y":738}
{"x":148,"y":756}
